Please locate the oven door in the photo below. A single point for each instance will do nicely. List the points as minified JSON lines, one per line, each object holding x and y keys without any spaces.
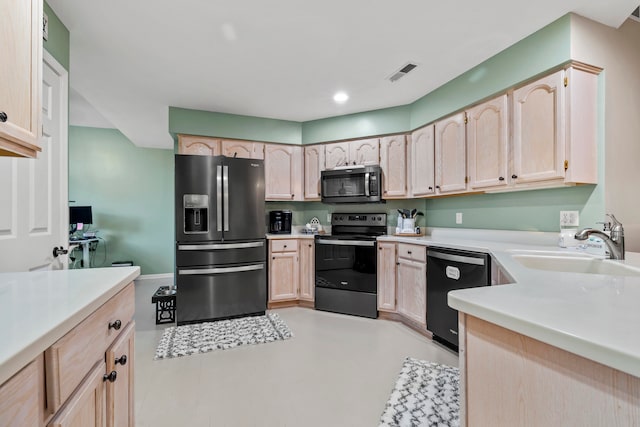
{"x":346,"y":264}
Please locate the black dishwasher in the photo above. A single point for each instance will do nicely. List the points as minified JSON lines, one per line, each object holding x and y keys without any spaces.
{"x":448,"y":270}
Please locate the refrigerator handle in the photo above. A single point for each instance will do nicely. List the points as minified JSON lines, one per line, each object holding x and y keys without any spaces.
{"x":225,"y":180}
{"x":219,"y":197}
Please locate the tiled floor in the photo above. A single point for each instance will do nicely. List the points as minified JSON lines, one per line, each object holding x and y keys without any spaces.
{"x":336,"y":371}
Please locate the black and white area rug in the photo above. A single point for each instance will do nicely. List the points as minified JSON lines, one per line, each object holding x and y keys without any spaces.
{"x":184,"y":340}
{"x":426,"y":394}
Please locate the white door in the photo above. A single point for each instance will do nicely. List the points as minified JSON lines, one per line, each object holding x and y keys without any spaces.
{"x":33,"y":192}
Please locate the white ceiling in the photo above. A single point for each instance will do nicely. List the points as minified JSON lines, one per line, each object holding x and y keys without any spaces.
{"x":283,"y":59}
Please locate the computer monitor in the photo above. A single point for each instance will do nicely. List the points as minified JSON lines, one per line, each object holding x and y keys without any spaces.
{"x":80,"y":215}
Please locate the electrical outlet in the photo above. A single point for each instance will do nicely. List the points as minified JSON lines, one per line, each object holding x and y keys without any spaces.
{"x":458,"y":217}
{"x":569,"y":218}
{"x":328,"y":218}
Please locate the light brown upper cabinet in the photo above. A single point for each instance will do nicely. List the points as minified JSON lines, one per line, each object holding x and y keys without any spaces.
{"x":21,"y":82}
{"x":554,"y":129}
{"x":364,"y":152}
{"x":313,"y":164}
{"x":487,"y":142}
{"x":451,"y":155}
{"x":393,"y":161}
{"x":336,"y":154}
{"x":198,"y":145}
{"x":422,"y":160}
{"x":283,"y":172}
{"x":359,"y":152}
{"x":242,"y":149}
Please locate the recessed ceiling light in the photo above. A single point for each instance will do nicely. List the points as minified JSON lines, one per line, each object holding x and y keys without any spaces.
{"x":340,"y":97}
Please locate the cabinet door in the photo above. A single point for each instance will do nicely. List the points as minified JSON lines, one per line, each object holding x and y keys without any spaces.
{"x":422,"y":155}
{"x":539,"y":130}
{"x":336,"y":154}
{"x":307,"y":270}
{"x":451,"y":156}
{"x":364,"y":152}
{"x":119,"y":408}
{"x":242,"y":149}
{"x":22,"y":397}
{"x":487,"y":138}
{"x":412,"y":290}
{"x":393,"y":161}
{"x":283,"y":172}
{"x":198,"y":145}
{"x":21,"y":82}
{"x":387,"y":276}
{"x":284,"y":276}
{"x":85,"y":407}
{"x":313,"y":164}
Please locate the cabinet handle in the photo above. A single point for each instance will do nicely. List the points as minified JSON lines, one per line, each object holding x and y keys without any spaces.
{"x":409,"y":252}
{"x":397,"y":263}
{"x":285,"y":246}
{"x":514,"y":176}
{"x":3,"y":116}
{"x":430,"y":188}
{"x":309,"y":245}
{"x":292,"y":196}
{"x":116,"y":325}
{"x":111,"y":376}
{"x":122,"y":360}
{"x":438,"y":187}
{"x":273,"y":257}
{"x":501,"y":178}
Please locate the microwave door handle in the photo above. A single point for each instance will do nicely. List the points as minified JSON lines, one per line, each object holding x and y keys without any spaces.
{"x":367,"y":190}
{"x":225,"y":180}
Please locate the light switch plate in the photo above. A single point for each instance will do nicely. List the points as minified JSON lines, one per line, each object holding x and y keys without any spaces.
{"x":458,"y":217}
{"x":569,"y":218}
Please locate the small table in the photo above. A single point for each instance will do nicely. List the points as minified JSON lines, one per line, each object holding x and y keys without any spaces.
{"x":84,"y":244}
{"x":165,"y":300}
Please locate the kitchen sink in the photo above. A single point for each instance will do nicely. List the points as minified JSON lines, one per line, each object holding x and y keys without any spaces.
{"x":575,"y":263}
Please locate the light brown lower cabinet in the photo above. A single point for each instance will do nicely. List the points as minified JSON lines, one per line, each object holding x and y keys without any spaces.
{"x":402,"y":282}
{"x":84,"y":379}
{"x":291,"y":272}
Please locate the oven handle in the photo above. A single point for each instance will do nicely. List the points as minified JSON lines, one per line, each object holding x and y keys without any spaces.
{"x":346,"y":242}
{"x":221,"y":270}
{"x":220,"y":246}
{"x":367,"y":181}
{"x":456,"y":258}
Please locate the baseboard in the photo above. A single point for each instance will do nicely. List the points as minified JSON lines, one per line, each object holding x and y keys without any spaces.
{"x":155,"y":276}
{"x":387,"y":315}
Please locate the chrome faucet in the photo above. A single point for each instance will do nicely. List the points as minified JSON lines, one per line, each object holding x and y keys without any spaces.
{"x":614,"y":240}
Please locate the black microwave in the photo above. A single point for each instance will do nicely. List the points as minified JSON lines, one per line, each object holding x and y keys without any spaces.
{"x":353,"y":184}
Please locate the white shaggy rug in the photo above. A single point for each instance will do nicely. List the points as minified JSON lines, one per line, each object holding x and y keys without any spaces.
{"x":426,"y":394}
{"x":184,"y":340}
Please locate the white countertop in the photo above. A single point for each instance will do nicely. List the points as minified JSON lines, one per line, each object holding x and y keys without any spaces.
{"x":38,"y":308}
{"x":592,"y":315}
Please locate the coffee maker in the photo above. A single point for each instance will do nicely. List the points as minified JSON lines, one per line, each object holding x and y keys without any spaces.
{"x":280,"y":222}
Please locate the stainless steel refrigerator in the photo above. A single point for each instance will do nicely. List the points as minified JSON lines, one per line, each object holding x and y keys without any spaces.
{"x":220,"y":238}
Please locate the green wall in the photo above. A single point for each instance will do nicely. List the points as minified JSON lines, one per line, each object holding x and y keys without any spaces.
{"x":131,"y":192}
{"x":378,"y":122}
{"x":196,"y":122}
{"x":58,"y":42}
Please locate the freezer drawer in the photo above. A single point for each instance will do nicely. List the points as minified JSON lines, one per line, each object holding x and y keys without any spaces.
{"x":213,"y":293}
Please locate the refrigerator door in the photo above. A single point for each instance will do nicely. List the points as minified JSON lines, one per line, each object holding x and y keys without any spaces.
{"x":243,"y":194}
{"x":198,"y":198}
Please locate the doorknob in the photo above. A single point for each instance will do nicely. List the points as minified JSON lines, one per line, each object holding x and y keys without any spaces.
{"x":59,"y":251}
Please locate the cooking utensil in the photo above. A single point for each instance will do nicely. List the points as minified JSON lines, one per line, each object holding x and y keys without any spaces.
{"x":400,"y":211}
{"x":413,"y":212}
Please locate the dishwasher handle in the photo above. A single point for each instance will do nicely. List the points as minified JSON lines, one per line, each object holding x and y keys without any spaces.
{"x":455,"y":258}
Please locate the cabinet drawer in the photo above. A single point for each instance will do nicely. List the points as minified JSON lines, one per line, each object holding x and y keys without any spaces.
{"x":72,"y":356}
{"x":22,"y":397}
{"x":413,"y":252}
{"x":288,"y":245}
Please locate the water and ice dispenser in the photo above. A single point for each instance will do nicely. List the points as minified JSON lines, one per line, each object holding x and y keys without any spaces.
{"x":196,"y":213}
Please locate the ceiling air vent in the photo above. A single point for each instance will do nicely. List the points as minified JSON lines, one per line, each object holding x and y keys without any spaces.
{"x":402,"y":72}
{"x":635,"y":15}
